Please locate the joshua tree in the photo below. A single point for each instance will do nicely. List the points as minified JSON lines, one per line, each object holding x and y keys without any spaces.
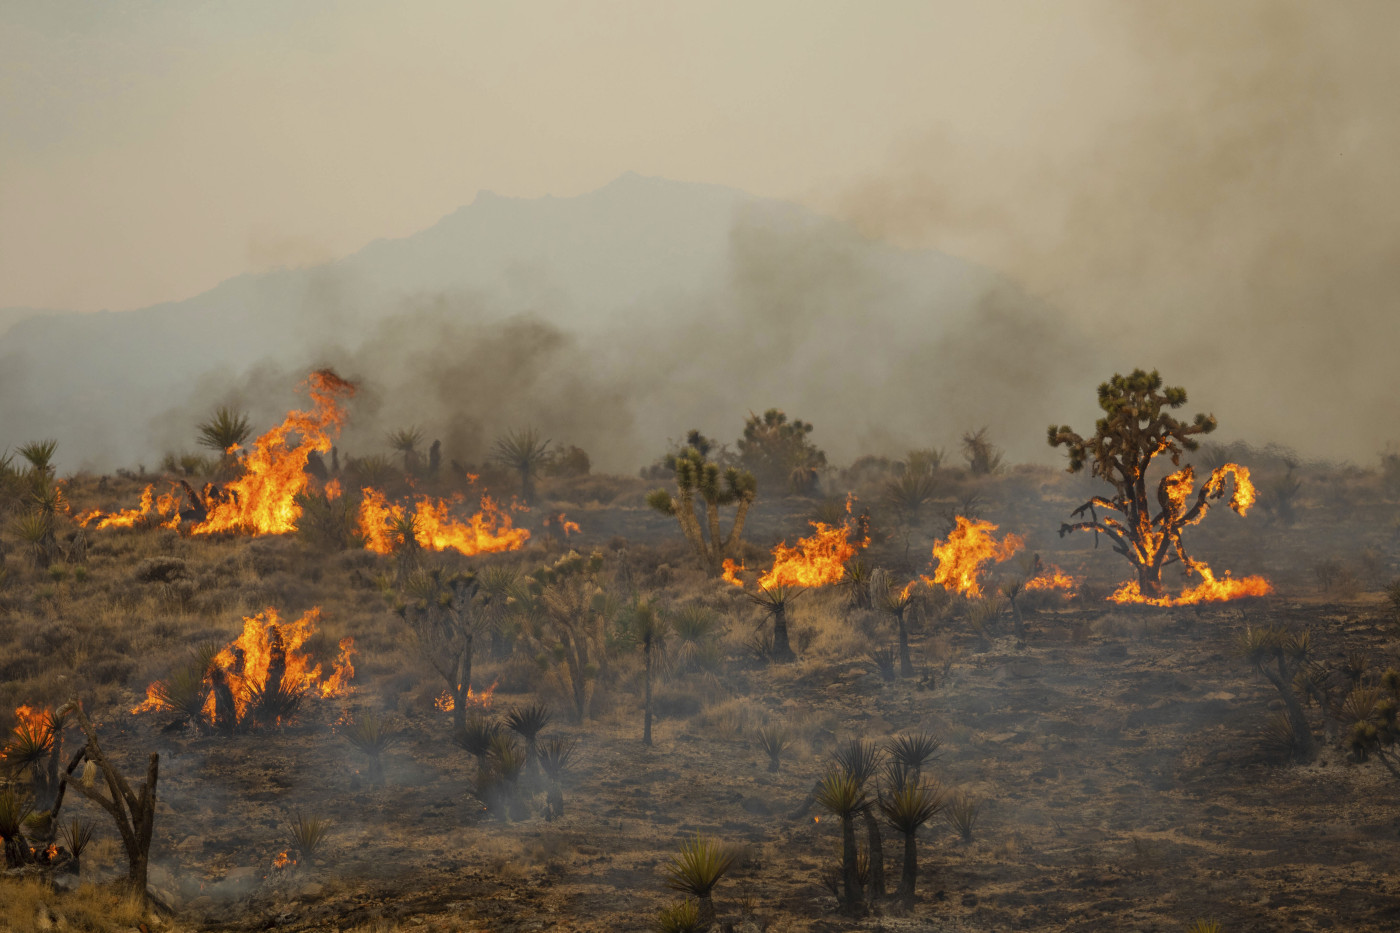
{"x":696,"y":869}
{"x":226,"y":428}
{"x":695,"y":474}
{"x":1371,"y":714}
{"x":913,"y":751}
{"x":779,"y":453}
{"x":576,"y":609}
{"x":441,"y":608}
{"x":649,"y":630}
{"x":774,"y":601}
{"x":1281,"y":656}
{"x":372,"y":735}
{"x":859,"y":759}
{"x":909,"y":805}
{"x":528,"y":722}
{"x":841,"y":794}
{"x":1137,"y":428}
{"x":134,"y":813}
{"x":774,"y":740}
{"x":982,"y":456}
{"x":40,"y":456}
{"x":36,"y":748}
{"x":406,"y":441}
{"x":526,"y":454}
{"x":555,"y":757}
{"x":895,"y":601}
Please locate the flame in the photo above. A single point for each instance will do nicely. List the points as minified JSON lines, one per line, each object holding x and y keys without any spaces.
{"x":487,"y":532}
{"x":817,"y":560}
{"x":245,"y":663}
{"x":474,"y":700}
{"x":263,"y":499}
{"x":332,"y":490}
{"x":563,"y":523}
{"x":166,"y":506}
{"x":282,"y":860}
{"x":1209,"y":590}
{"x":34,"y":726}
{"x":732,"y":571}
{"x":1052,"y":578}
{"x":960,"y":558}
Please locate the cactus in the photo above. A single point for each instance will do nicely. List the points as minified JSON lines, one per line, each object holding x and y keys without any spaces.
{"x":695,"y":474}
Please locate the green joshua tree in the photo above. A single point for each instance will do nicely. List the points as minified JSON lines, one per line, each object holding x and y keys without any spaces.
{"x":906,"y":807}
{"x":779,"y":453}
{"x":1137,"y":427}
{"x":527,"y":454}
{"x":696,"y":869}
{"x":839,"y":793}
{"x":715,"y":488}
{"x":225,"y":428}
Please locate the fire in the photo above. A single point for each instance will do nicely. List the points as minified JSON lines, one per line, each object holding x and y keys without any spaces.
{"x":487,"y":532}
{"x":970,"y":545}
{"x":563,"y":524}
{"x":817,"y":560}
{"x":1053,"y":579}
{"x":732,"y":571}
{"x":263,"y":499}
{"x":282,"y":860}
{"x":333,"y":490}
{"x":473,"y":700}
{"x":269,"y":653}
{"x":1209,"y":590}
{"x":33,"y":727}
{"x":166,"y":507}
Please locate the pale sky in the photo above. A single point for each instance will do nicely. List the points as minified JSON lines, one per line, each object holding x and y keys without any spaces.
{"x":152,"y":149}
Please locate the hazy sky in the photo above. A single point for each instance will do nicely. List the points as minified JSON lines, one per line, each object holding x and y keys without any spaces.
{"x":151,"y":149}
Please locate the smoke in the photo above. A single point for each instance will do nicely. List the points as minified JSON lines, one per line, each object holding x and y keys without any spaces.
{"x":1233,"y":225}
{"x":883,"y":350}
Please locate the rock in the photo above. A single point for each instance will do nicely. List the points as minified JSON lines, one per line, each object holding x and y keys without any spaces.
{"x":311,"y":890}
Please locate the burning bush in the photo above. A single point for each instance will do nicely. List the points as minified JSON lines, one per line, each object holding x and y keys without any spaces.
{"x":260,"y":678}
{"x":1136,"y":429}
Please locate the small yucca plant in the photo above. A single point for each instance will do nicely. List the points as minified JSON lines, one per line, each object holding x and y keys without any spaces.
{"x":372,"y":735}
{"x":696,"y":869}
{"x":306,"y":834}
{"x":682,"y":917}
{"x":774,"y":740}
{"x":962,"y":812}
{"x":839,"y":792}
{"x":914,"y":750}
{"x":15,"y":808}
{"x":1206,"y":926}
{"x":185,"y":691}
{"x":528,"y":722}
{"x":883,"y":660}
{"x":75,"y":835}
{"x":556,"y":755}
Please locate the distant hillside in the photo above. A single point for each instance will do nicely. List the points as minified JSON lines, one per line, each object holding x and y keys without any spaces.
{"x":612,"y":320}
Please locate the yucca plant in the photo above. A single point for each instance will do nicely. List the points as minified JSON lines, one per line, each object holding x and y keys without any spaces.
{"x":508,"y":762}
{"x":859,"y":758}
{"x":883,"y":660}
{"x":525,"y":453}
{"x":375,"y":470}
{"x":1280,"y":655}
{"x":695,"y":628}
{"x":35,"y":747}
{"x":185,"y":691}
{"x":306,"y":834}
{"x":272,"y":703}
{"x":40,"y":455}
{"x":528,"y":722}
{"x":774,"y":740}
{"x":895,"y":601}
{"x":774,"y":601}
{"x":914,"y":750}
{"x":15,"y":808}
{"x":406,"y":441}
{"x":372,"y":735}
{"x":906,"y":807}
{"x":35,"y":529}
{"x":1206,"y":926}
{"x":696,"y":869}
{"x":75,"y":835}
{"x":855,"y":579}
{"x":681,"y":917}
{"x":555,"y":757}
{"x":839,"y":793}
{"x":225,"y":428}
{"x":961,"y":812}
{"x":475,"y":738}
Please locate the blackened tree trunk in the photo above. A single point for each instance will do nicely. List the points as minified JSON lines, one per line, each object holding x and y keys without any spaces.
{"x":782,"y":650}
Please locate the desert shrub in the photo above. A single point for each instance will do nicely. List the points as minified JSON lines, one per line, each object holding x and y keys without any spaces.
{"x":777,"y":452}
{"x":161,"y":570}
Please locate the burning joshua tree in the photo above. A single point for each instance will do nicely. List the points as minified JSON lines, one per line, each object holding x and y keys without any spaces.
{"x":1136,"y":429}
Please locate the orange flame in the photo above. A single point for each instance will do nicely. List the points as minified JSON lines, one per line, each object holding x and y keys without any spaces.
{"x":960,"y":558}
{"x":473,"y":700}
{"x":263,"y":499}
{"x":817,"y":560}
{"x":1053,"y":579}
{"x":332,"y":490}
{"x":732,"y":571}
{"x":1209,"y":590}
{"x":487,"y":532}
{"x":166,"y":506}
{"x":282,"y":860}
{"x":33,"y":726}
{"x":245,"y":662}
{"x":563,"y":524}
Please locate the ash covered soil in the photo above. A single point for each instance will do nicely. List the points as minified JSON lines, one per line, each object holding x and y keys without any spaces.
{"x":1118,"y":753}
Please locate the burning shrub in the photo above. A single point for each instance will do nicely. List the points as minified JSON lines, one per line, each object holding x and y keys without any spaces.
{"x":260,"y":678}
{"x":1137,"y":428}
